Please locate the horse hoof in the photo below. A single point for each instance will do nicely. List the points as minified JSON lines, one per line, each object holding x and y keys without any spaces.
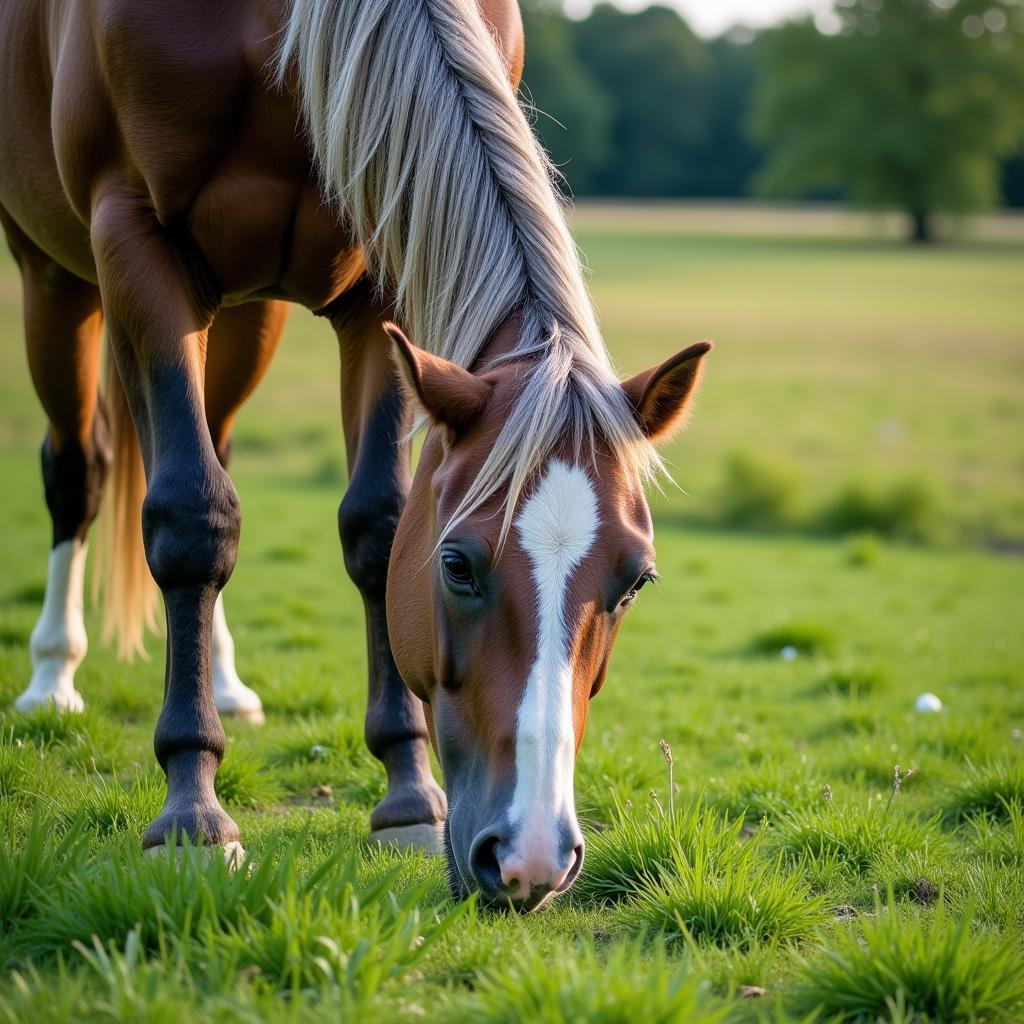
{"x":63,"y":700}
{"x":234,"y":852}
{"x":428,"y":837}
{"x":233,"y":698}
{"x":253,"y":715}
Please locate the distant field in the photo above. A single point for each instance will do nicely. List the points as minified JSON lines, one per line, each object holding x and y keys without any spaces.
{"x":843,"y":355}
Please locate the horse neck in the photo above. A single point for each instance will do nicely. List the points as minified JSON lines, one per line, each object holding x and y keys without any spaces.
{"x":501,"y":342}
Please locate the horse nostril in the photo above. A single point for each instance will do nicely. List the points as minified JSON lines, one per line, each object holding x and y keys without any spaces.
{"x":483,"y":862}
{"x":575,"y":867}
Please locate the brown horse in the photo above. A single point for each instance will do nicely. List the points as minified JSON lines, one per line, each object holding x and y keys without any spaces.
{"x":179,"y":173}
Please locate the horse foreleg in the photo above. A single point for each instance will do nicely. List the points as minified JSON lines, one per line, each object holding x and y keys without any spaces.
{"x":63,"y":334}
{"x":241,"y":344}
{"x":376,"y":423}
{"x":159,"y":305}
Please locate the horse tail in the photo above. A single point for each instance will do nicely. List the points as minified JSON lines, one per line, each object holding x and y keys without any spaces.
{"x":122,"y":578}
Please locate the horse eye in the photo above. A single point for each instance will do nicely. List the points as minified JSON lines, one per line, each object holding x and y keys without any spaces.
{"x":637,"y":587}
{"x":457,"y":569}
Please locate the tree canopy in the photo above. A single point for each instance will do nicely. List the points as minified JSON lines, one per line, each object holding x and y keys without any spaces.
{"x":912,"y":104}
{"x":917,"y":104}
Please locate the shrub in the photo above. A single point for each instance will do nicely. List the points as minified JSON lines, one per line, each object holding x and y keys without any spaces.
{"x":909,"y":509}
{"x":758,"y":492}
{"x":863,"y":549}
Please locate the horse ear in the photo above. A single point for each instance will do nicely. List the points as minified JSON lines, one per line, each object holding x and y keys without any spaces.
{"x":449,"y":394}
{"x":661,"y":396}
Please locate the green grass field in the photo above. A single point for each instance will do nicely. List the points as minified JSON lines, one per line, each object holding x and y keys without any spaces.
{"x":851,"y":489}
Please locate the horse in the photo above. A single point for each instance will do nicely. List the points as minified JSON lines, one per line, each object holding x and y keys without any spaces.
{"x":178,"y":174}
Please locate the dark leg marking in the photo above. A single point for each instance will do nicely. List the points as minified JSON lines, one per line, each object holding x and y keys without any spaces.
{"x":160,"y":301}
{"x":376,"y":423}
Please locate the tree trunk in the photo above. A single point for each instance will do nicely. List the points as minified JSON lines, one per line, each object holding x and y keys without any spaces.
{"x":921,"y":230}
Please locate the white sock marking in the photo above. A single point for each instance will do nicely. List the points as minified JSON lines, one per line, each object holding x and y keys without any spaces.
{"x":557,"y":526}
{"x":230,"y":694}
{"x":58,"y":642}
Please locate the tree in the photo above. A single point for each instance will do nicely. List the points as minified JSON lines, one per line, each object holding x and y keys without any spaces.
{"x":654,"y":69}
{"x":914,"y":103}
{"x":573,"y":113}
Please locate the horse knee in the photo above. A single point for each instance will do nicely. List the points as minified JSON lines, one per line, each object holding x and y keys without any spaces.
{"x":367,"y":519}
{"x":191,"y":521}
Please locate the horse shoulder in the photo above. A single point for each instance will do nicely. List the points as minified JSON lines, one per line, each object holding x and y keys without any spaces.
{"x":177,"y":77}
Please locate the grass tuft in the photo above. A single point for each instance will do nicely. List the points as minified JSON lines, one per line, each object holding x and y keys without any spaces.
{"x":806,"y":638}
{"x":859,"y":838}
{"x":45,"y":726}
{"x":854,"y":681}
{"x":243,"y":781}
{"x":642,"y":846}
{"x":989,"y":789}
{"x":628,"y":984}
{"x":744,"y":898}
{"x":34,"y":863}
{"x":108,"y":808}
{"x":897,"y":967}
{"x":999,"y":841}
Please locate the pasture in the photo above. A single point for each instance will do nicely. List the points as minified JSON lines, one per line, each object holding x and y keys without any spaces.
{"x":847,"y":537}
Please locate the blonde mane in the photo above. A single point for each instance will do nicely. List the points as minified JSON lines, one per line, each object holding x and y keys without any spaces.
{"x":423,"y":147}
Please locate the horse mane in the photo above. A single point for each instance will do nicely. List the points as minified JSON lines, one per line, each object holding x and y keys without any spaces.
{"x":424,"y":149}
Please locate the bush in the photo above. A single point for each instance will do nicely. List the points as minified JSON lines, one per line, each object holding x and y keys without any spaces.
{"x":909,"y":510}
{"x":758,"y":492}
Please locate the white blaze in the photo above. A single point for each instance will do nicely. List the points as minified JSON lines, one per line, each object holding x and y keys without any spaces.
{"x":58,"y":642}
{"x":557,"y":526}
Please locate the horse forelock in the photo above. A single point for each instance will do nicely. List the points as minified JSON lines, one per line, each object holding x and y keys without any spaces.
{"x":424,"y":149}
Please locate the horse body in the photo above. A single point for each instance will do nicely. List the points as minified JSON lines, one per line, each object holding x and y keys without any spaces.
{"x":180,"y":173}
{"x":168,"y":108}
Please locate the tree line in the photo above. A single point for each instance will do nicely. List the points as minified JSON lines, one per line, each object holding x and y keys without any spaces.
{"x":917,"y":104}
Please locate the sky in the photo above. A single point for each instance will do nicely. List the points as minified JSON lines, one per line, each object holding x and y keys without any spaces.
{"x":711,"y":17}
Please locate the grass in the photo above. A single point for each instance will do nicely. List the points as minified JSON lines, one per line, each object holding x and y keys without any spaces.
{"x":641,"y":849}
{"x":995,"y":788}
{"x":902,"y":970}
{"x":738,"y":900}
{"x":586,"y":986}
{"x":840,"y":360}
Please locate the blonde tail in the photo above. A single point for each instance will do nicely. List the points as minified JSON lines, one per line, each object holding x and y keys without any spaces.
{"x":129,"y":595}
